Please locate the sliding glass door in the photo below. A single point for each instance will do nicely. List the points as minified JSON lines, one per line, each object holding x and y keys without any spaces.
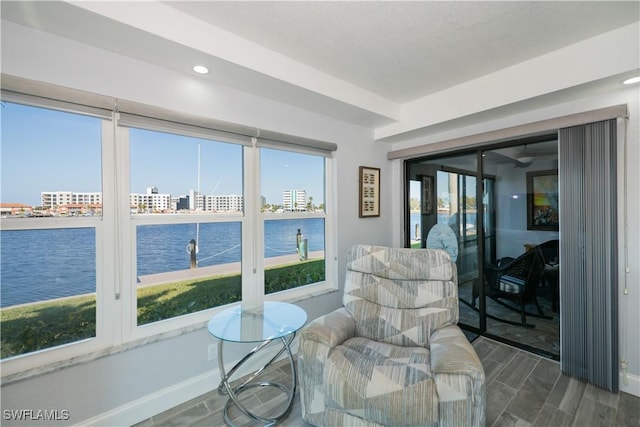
{"x":491,"y":227}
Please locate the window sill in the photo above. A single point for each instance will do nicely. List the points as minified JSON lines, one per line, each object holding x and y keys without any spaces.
{"x":302,"y":293}
{"x":292,"y":296}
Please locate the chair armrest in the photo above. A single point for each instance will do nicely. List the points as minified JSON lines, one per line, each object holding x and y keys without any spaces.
{"x":459,"y":378}
{"x":316,"y":340}
{"x":452,"y":353}
{"x":331,"y":329}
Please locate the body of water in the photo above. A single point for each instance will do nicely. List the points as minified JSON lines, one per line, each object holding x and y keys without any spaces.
{"x":415,"y":220}
{"x":39,"y":265}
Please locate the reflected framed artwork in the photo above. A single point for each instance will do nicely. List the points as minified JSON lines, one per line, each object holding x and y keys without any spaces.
{"x":542,"y":200}
{"x":427,"y":195}
{"x":369,"y":192}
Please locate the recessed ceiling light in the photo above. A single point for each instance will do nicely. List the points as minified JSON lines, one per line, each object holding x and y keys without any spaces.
{"x":632,"y":80}
{"x":200,"y":69}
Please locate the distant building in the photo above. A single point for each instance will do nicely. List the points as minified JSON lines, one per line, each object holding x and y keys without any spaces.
{"x":68,"y":202}
{"x":294,"y":200}
{"x":211,"y":203}
{"x":226,"y":203}
{"x":76,"y":209}
{"x":196,"y":201}
{"x":151,"y":201}
{"x":180,"y":203}
{"x":52,"y":199}
{"x":15,"y":209}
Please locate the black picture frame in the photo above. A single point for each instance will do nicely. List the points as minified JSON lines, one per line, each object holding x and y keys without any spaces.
{"x":369,"y":192}
{"x":428,"y":195}
{"x":542,"y":200}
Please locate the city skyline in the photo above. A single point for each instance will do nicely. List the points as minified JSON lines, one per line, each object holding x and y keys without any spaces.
{"x":45,"y":151}
{"x":291,"y":200}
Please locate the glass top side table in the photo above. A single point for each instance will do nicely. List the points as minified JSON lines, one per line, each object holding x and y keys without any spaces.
{"x":262,"y":323}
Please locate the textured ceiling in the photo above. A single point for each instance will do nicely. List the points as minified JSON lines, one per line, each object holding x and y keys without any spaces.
{"x":390,"y":66}
{"x":406,"y":50}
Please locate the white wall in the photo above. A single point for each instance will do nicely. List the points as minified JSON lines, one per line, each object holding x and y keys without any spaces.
{"x":511,"y":212}
{"x":132,"y":385}
{"x":629,"y":315}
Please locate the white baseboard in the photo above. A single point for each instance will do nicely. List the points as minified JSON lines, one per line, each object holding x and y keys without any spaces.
{"x":155,"y":403}
{"x":632,"y":386}
{"x":167,"y":398}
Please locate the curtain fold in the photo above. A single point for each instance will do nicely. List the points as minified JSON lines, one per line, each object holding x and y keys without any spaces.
{"x":588,"y":254}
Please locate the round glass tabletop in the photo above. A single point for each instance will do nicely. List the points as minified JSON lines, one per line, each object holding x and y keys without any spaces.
{"x":255,"y":322}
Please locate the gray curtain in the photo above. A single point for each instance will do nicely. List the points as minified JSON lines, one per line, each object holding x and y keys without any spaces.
{"x":588,"y":257}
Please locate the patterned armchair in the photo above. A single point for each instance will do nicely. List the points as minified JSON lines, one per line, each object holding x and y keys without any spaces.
{"x":393,"y":355}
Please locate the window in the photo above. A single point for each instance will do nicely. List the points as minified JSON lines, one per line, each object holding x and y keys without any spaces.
{"x":193,"y":262}
{"x":49,"y":225}
{"x":150,"y":224}
{"x":292,"y":195}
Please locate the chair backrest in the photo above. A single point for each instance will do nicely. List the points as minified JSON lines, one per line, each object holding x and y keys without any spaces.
{"x":550,"y":251}
{"x":526,"y":270}
{"x":535,"y":273}
{"x":400,"y":295}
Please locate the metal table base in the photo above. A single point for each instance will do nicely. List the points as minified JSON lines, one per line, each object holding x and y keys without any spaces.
{"x":233,"y":392}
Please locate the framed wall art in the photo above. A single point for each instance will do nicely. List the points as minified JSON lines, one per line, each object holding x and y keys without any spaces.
{"x":369,"y":192}
{"x":542,"y":200}
{"x":427,"y":195}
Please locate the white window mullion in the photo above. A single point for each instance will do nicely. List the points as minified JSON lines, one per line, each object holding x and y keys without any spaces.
{"x":258,"y":220}
{"x":252,"y":241}
{"x":331,"y":219}
{"x":107,"y":308}
{"x":123,"y":293}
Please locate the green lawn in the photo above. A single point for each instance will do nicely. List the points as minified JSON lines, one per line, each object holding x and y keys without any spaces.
{"x":175,"y":299}
{"x":38,"y":326}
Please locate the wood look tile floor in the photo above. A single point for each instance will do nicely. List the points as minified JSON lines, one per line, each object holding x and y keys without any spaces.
{"x":544,"y":335}
{"x":523,"y":389}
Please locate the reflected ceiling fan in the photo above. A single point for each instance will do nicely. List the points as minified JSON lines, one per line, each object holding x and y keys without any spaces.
{"x":528,"y":156}
{"x":525,"y":158}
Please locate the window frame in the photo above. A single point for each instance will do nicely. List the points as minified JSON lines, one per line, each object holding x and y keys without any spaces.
{"x":131,"y":330}
{"x":104,"y":337}
{"x":330,"y":241}
{"x":116,"y":303}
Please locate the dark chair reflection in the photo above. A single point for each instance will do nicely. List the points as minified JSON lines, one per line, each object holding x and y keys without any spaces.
{"x":516,"y":281}
{"x":551,"y":253}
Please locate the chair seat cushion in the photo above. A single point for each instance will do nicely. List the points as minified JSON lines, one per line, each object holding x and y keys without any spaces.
{"x":383,"y":383}
{"x":511,"y":284}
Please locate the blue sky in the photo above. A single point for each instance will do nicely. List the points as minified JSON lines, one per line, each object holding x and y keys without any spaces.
{"x":44,"y":150}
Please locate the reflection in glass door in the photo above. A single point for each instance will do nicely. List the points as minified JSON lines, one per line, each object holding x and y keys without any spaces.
{"x":415,"y":218}
{"x":520,"y":261}
{"x":457,"y":209}
{"x":443,"y":215}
